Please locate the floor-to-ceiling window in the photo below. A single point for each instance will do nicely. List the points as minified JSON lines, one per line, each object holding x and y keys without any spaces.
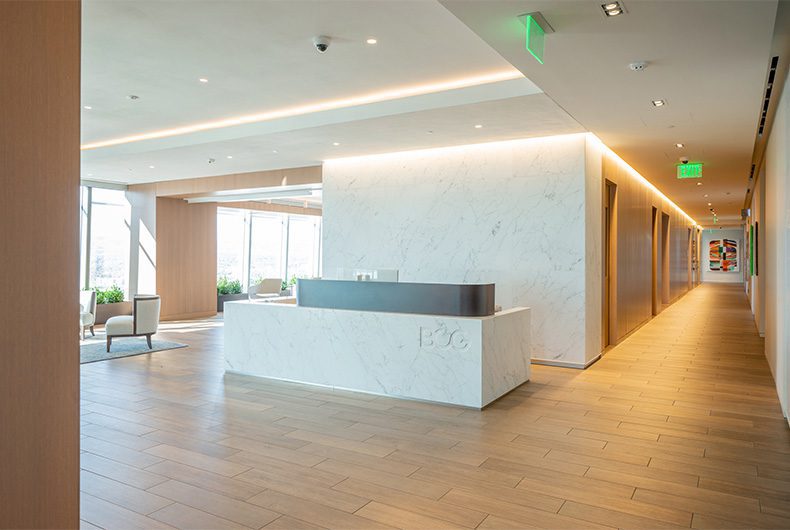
{"x":231,"y":243}
{"x":104,"y":238}
{"x":253,"y":245}
{"x":266,"y":245}
{"x":304,"y":246}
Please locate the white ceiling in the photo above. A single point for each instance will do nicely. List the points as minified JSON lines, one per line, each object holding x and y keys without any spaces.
{"x":503,"y":119}
{"x":258,"y":55}
{"x":707,"y":59}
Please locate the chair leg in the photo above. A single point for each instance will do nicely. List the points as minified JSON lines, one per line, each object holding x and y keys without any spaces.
{"x":92,"y":333}
{"x":148,"y":338}
{"x":109,"y":342}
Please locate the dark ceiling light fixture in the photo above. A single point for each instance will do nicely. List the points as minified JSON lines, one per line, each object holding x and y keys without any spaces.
{"x":767,"y":98}
{"x":613,"y":9}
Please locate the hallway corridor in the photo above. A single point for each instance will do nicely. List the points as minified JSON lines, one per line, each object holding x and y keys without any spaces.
{"x":679,"y":426}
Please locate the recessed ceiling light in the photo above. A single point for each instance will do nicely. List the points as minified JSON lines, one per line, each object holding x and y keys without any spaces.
{"x":679,"y":146}
{"x":150,"y":167}
{"x":230,"y":156}
{"x":659,"y":102}
{"x":699,"y":183}
{"x":709,"y":204}
{"x":335,"y":143}
{"x":87,"y":107}
{"x":203,"y":80}
{"x":316,"y":106}
{"x":371,"y":41}
{"x":275,"y":151}
{"x":90,"y":174}
{"x":478,"y":126}
{"x":612,"y":9}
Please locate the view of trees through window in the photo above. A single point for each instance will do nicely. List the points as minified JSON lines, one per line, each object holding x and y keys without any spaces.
{"x":253,"y":245}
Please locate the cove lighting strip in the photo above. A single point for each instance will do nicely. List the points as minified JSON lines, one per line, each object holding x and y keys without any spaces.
{"x":375,"y":97}
{"x":644,"y":181}
{"x":458,"y":149}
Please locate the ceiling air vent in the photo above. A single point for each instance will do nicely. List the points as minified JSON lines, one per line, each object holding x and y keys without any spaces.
{"x":767,"y":100}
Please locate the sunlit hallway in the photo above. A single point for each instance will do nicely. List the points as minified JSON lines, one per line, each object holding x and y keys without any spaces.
{"x":677,"y":426}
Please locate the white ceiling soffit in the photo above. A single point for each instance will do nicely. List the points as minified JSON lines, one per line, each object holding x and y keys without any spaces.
{"x":505,"y":119}
{"x":707,"y":59}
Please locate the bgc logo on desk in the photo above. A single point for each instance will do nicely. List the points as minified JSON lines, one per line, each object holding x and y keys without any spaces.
{"x":442,"y":338}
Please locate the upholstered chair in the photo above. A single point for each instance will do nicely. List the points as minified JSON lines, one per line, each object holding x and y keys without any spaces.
{"x":87,"y":311}
{"x":144,"y":320}
{"x":267,"y":288}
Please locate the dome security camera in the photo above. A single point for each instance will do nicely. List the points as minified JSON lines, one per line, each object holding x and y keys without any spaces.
{"x":321,"y":43}
{"x":684,"y":160}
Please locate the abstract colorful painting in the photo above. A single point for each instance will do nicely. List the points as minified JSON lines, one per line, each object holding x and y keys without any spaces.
{"x":723,"y":255}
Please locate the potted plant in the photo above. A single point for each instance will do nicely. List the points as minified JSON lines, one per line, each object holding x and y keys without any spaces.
{"x":228,"y":290}
{"x":110,"y":302}
{"x":289,"y":287}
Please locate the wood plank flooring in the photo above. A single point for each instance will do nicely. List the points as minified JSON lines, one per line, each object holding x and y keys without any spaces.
{"x":679,"y":426}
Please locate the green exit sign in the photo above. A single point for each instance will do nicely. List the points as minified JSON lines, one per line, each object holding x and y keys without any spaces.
{"x":536,"y":38}
{"x":689,"y":171}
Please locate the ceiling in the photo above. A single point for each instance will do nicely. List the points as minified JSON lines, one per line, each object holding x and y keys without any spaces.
{"x":258,"y":57}
{"x":502,"y":119}
{"x":707,"y":59}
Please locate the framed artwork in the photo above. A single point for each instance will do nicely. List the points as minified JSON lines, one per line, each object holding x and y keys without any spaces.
{"x":723,"y":255}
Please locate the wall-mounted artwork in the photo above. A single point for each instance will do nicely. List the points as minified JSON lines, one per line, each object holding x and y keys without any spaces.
{"x":723,"y":255}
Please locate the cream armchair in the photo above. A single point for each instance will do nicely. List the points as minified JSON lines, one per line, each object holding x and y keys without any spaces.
{"x":87,"y":311}
{"x":144,"y":320}
{"x":267,"y":288}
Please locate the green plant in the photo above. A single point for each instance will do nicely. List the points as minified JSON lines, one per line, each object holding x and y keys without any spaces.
{"x":227,"y":286}
{"x":288,"y":284}
{"x":109,"y":296}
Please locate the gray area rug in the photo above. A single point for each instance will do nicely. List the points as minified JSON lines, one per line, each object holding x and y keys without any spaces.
{"x":95,"y":348}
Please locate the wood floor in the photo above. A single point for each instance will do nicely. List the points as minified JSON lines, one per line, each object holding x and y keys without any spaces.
{"x":679,"y":426}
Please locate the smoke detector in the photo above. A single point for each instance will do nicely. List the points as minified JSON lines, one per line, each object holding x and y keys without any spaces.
{"x":637,"y":66}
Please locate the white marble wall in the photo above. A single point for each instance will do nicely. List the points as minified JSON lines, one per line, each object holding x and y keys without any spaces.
{"x":512,"y":213}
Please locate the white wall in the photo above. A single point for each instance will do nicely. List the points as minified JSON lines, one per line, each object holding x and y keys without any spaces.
{"x":708,"y":275}
{"x":511,"y":213}
{"x":776,"y":248}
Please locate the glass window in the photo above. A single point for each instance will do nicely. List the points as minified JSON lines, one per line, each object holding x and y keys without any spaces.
{"x":231,"y":242}
{"x":304,"y":237}
{"x":109,"y":239}
{"x":266,"y":246}
{"x":253,"y":245}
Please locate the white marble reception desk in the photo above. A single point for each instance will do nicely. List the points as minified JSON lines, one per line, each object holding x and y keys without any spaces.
{"x":469,"y":361}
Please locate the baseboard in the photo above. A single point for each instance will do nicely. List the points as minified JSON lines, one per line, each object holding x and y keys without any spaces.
{"x":188,"y":316}
{"x":566,"y":364}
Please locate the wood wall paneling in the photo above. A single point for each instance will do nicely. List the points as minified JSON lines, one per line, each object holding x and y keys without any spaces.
{"x":239,"y":181}
{"x":39,"y":264}
{"x":186,"y":275}
{"x":634,"y":270}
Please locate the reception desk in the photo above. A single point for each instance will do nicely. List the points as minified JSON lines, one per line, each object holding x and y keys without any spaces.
{"x":468,"y":361}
